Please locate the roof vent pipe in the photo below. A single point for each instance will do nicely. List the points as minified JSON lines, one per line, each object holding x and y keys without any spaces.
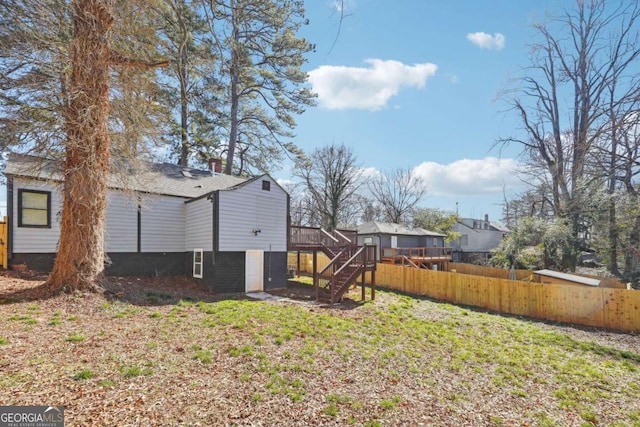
{"x":215,"y":165}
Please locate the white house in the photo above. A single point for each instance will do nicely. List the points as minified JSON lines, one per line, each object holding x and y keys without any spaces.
{"x":161,"y":219}
{"x":477,"y":239}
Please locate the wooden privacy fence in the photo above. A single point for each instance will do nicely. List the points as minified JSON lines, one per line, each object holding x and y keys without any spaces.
{"x":481,"y":270}
{"x":617,"y":309}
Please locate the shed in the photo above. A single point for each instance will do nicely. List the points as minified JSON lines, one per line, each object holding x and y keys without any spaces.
{"x":551,"y":277}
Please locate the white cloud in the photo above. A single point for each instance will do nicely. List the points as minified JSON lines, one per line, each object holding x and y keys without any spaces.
{"x":369,"y":173}
{"x":487,"y":41}
{"x":468,"y":177}
{"x":341,"y":87}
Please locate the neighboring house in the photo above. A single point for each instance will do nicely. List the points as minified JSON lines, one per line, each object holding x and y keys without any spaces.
{"x":161,"y":219}
{"x":387,"y":235}
{"x":477,"y":239}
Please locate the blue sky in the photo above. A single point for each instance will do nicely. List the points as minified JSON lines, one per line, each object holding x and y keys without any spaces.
{"x":415,"y":83}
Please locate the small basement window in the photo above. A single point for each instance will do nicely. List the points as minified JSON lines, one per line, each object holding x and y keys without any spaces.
{"x":197,"y":263}
{"x":266,"y":185}
{"x":34,"y":208}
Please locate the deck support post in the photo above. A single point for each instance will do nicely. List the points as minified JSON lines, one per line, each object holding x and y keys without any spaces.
{"x":315,"y":274}
{"x":298,"y":266}
{"x":373,"y":285}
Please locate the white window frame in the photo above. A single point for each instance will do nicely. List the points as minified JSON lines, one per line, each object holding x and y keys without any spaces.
{"x":200,"y":263}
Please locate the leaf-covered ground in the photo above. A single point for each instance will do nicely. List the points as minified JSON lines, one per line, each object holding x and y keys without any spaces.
{"x":165,"y":352}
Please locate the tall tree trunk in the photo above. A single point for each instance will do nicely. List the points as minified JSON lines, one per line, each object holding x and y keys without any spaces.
{"x":183,"y":59}
{"x":632,"y":252}
{"x":235,"y":80}
{"x":80,"y":261}
{"x":184,"y":107}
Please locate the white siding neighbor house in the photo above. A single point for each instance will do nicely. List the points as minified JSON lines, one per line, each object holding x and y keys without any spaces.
{"x":161,"y":219}
{"x":477,"y":239}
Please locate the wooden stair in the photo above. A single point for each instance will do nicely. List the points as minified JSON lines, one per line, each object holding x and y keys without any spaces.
{"x":347,"y":259}
{"x":333,"y":281}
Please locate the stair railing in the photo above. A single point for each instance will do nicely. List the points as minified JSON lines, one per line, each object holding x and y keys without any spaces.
{"x":329,"y":235}
{"x":322,"y":280}
{"x":343,"y":237}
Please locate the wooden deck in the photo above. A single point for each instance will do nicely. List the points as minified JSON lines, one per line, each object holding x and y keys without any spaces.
{"x":426,"y":257}
{"x":315,"y":238}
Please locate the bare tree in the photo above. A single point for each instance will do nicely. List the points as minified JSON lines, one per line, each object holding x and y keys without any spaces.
{"x":331,"y":176}
{"x":580,"y":54}
{"x":397,"y":192}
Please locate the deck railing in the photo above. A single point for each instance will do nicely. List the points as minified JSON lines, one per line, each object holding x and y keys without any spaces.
{"x":309,"y":237}
{"x":417,"y":253}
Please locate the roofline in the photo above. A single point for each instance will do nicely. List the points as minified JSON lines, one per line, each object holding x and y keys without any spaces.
{"x":252,"y":179}
{"x":60,"y":181}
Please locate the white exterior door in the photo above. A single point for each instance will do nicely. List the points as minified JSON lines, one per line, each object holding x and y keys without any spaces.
{"x":394,"y":241}
{"x":254,"y":270}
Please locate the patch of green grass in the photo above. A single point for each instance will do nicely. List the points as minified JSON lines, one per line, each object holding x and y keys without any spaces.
{"x":72,"y":318}
{"x":241,"y":351}
{"x":337,"y":398}
{"x":3,"y":341}
{"x":106,"y":383}
{"x":496,"y":420}
{"x":256,"y":397}
{"x":589,"y":416}
{"x":203,"y":356}
{"x":544,"y":420}
{"x":75,"y":338}
{"x":83,"y":375}
{"x":390,"y":403}
{"x":520,"y":393}
{"x":136,"y":371}
{"x":55,"y":319}
{"x":27,"y":320}
{"x":155,"y":315}
{"x":331,"y":410}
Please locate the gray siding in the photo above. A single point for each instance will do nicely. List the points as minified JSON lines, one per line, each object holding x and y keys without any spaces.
{"x":477,"y":240}
{"x":249,"y":208}
{"x":199,"y":225}
{"x":163,"y":224}
{"x":121,"y":234}
{"x":36,"y":240}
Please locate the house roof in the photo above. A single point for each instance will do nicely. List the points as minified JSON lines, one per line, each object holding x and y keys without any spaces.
{"x":157,"y":178}
{"x":377,"y":227}
{"x":569,"y":277}
{"x":500,"y":227}
{"x":496,"y":226}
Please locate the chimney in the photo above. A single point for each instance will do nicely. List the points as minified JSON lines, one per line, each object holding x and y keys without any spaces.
{"x":215,"y":165}
{"x":486,"y":217}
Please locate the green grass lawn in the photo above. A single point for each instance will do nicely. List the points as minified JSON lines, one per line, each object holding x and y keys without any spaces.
{"x":394,"y":361}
